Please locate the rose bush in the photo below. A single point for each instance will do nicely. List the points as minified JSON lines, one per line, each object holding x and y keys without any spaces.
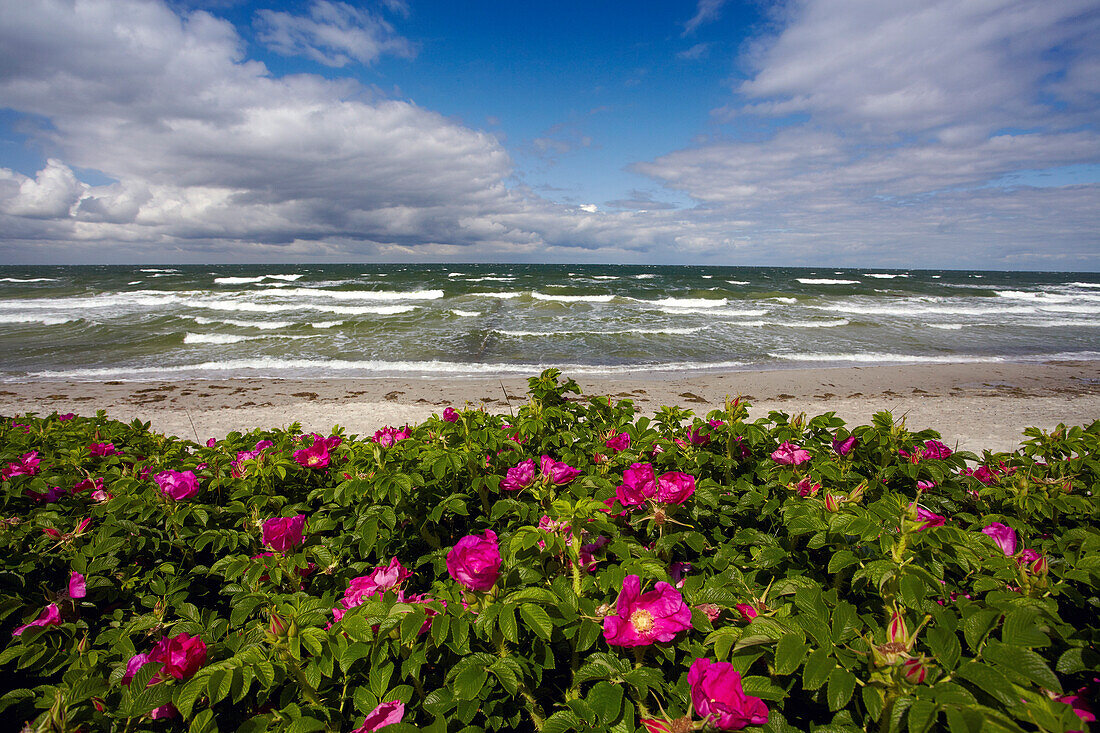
{"x":578,"y":567}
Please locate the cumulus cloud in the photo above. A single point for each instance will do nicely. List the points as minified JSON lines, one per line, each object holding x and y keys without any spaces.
{"x":332,"y":33}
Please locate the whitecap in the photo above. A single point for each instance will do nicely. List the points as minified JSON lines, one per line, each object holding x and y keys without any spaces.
{"x":159,"y":269}
{"x":326,"y":324}
{"x":262,"y":325}
{"x":644,"y":276}
{"x":503,"y":295}
{"x":688,"y":302}
{"x":738,"y":282}
{"x":237,"y":280}
{"x":782,"y":299}
{"x":289,"y":278}
{"x":825,"y":281}
{"x":44,"y":320}
{"x":353,"y":294}
{"x":27,"y":279}
{"x":456,"y":274}
{"x":1085,"y":285}
{"x":950,"y":326}
{"x":466,"y":314}
{"x":573,"y":298}
{"x":880,"y":275}
{"x":632,"y":331}
{"x":228,"y":338}
{"x":880,"y":357}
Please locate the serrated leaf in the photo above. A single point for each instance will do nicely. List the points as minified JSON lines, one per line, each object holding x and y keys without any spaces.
{"x":537,"y":619}
{"x":945,"y":646}
{"x":817,"y":669}
{"x":606,"y":700}
{"x":839,"y":690}
{"x":789,"y":653}
{"x":990,"y":681}
{"x":1024,"y":662}
{"x":922,"y":714}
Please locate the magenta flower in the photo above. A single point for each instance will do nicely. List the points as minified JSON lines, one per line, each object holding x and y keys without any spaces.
{"x":262,"y":445}
{"x":1080,"y":705}
{"x":375,"y":583}
{"x":388,"y":436}
{"x":211,"y":442}
{"x":748,"y":611}
{"x":639,"y":484}
{"x":675,"y":487}
{"x":103,"y":449}
{"x":475,"y":561}
{"x":136,"y":662}
{"x":66,"y":416}
{"x":385,"y":714}
{"x":717,"y":696}
{"x":27,"y":465}
{"x":618,"y":442}
{"x":559,"y":473}
{"x":926,"y":485}
{"x":50,"y":616}
{"x":928,"y":519}
{"x":283,"y":534}
{"x":88,"y":484}
{"x":77,"y":587}
{"x":101,"y":496}
{"x":1004,"y":536}
{"x":936,"y":450}
{"x":177,"y":485}
{"x":54,"y":493}
{"x":677,"y":571}
{"x":315,"y":456}
{"x":805,"y":487}
{"x":182,"y":655}
{"x":519,"y":476}
{"x":715,"y":424}
{"x":844,"y":447}
{"x":644,"y":618}
{"x":450,"y":414}
{"x":697,"y":437}
{"x":789,"y":454}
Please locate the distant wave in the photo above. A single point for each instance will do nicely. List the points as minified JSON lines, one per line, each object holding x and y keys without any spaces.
{"x":950,"y":326}
{"x":1085,"y":285}
{"x":504,"y":295}
{"x":326,"y":324}
{"x":880,"y":357}
{"x":466,"y":314}
{"x":159,"y":269}
{"x":882,"y":275}
{"x":638,"y":331}
{"x":229,"y":305}
{"x":490,"y":277}
{"x":228,"y":338}
{"x":262,"y":325}
{"x":44,"y":320}
{"x":782,"y":299}
{"x":573,"y":298}
{"x":644,"y":276}
{"x":246,"y":280}
{"x":353,"y":294}
{"x":27,"y":279}
{"x":738,"y":282}
{"x":825,"y":281}
{"x":689,"y":302}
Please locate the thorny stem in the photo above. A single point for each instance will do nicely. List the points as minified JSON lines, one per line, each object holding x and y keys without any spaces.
{"x":307,"y":689}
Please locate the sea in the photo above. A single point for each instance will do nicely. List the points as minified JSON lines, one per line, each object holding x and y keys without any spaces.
{"x":146,"y":323}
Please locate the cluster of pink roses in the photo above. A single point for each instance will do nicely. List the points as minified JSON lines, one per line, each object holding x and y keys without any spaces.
{"x":27,"y":465}
{"x":180,"y":657}
{"x":389,"y":436}
{"x":523,"y":475}
{"x":641,"y":484}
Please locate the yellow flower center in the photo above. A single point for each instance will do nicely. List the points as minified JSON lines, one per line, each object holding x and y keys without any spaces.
{"x":642,"y":621}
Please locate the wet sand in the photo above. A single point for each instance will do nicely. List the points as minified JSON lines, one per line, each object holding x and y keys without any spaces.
{"x":974,"y":406}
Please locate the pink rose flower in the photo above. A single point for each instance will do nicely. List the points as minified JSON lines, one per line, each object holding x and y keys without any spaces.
{"x":177,"y":485}
{"x":375,"y":583}
{"x":77,"y":587}
{"x":385,"y":714}
{"x":165,"y":711}
{"x":50,"y":616}
{"x":136,"y":662}
{"x":697,"y":437}
{"x":101,"y":496}
{"x":182,"y":655}
{"x":644,"y":618}
{"x":639,"y":484}
{"x":936,"y":450}
{"x":559,"y":473}
{"x":262,"y":445}
{"x":928,"y":519}
{"x":54,"y":493}
{"x":450,"y":414}
{"x":1079,"y":704}
{"x":675,"y":487}
{"x":805,"y":487}
{"x":66,"y":416}
{"x":748,"y":611}
{"x":103,"y":449}
{"x":475,"y":561}
{"x":844,"y":447}
{"x":388,"y":436}
{"x":519,"y":476}
{"x":27,"y":465}
{"x":315,"y":456}
{"x":618,"y":442}
{"x":1004,"y":536}
{"x":211,"y":442}
{"x":789,"y":454}
{"x":677,"y":571}
{"x":283,"y":534}
{"x":718,"y":698}
{"x":926,"y":485}
{"x":88,"y":483}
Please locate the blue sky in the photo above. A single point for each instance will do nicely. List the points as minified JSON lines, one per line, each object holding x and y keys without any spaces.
{"x":816,"y":132}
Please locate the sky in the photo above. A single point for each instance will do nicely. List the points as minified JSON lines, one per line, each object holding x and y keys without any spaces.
{"x":917,"y":134}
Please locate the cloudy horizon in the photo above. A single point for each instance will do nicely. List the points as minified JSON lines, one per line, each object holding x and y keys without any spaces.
{"x":819,"y":132}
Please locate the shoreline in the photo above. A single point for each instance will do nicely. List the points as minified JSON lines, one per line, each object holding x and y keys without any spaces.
{"x":974,"y":405}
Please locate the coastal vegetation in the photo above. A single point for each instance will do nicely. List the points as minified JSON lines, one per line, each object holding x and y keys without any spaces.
{"x":572,"y":566}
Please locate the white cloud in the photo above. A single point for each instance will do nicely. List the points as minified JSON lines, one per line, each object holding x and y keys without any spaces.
{"x":333,"y":34}
{"x":51,"y":194}
{"x":705,"y":12}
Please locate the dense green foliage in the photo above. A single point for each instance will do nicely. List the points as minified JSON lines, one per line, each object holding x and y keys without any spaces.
{"x":990,"y":639}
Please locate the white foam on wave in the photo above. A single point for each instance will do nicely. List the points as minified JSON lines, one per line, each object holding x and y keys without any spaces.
{"x":708,"y":277}
{"x":466,"y":314}
{"x":573,"y":298}
{"x":134,"y":282}
{"x":1037,"y":295}
{"x":950,"y":326}
{"x":623,"y":332}
{"x":159,"y":269}
{"x":783,"y":299}
{"x":145,"y":298}
{"x":880,"y":357}
{"x":262,"y":325}
{"x":27,"y":279}
{"x":248,"y":307}
{"x":353,"y":294}
{"x":644,"y":276}
{"x":813,"y":324}
{"x":237,"y":280}
{"x":326,"y":324}
{"x":936,"y":277}
{"x":882,"y":275}
{"x":497,"y":278}
{"x":825,"y":281}
{"x":44,"y":320}
{"x":456,"y":274}
{"x":738,"y":282}
{"x":910,"y":308}
{"x":230,"y":338}
{"x":288,"y":278}
{"x":688,"y":302}
{"x":1085,"y":285}
{"x":605,"y":277}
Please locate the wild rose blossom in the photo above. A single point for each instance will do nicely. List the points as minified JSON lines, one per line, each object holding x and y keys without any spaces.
{"x":677,"y":571}
{"x":789,"y":454}
{"x":283,"y":534}
{"x":697,"y":437}
{"x":54,"y":493}
{"x":557,"y":472}
{"x":675,"y":487}
{"x":389,"y":436}
{"x":177,"y":485}
{"x":519,"y":476}
{"x":50,"y":616}
{"x":102,"y":450}
{"x":639,"y":484}
{"x":385,"y":714}
{"x":66,"y":416}
{"x":1004,"y":536}
{"x":94,"y":485}
{"x":78,"y":588}
{"x":182,"y":655}
{"x":928,"y":519}
{"x":747,"y":610}
{"x":450,"y":414}
{"x":717,"y":696}
{"x":315,"y":456}
{"x":805,"y":487}
{"x":711,"y":610}
{"x":375,"y":583}
{"x":845,"y":446}
{"x":618,"y":442}
{"x":210,"y":443}
{"x":475,"y":561}
{"x":27,"y":465}
{"x":926,"y":485}
{"x":645,"y":618}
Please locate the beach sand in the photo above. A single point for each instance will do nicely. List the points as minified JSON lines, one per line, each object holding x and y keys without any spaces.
{"x":975,"y":406}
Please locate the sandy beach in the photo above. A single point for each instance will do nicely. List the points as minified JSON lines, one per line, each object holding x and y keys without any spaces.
{"x":974,"y":406}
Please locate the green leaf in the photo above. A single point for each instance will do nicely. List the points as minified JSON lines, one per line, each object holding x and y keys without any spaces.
{"x":922,"y":714}
{"x":789,"y":653}
{"x":506,"y":619}
{"x":990,"y":681}
{"x":606,"y":700}
{"x":1024,"y":662}
{"x":841,"y":685}
{"x":537,"y":619}
{"x":963,"y":720}
{"x":469,"y":681}
{"x":817,"y":669}
{"x":305,"y":725}
{"x":204,"y":723}
{"x":945,"y":646}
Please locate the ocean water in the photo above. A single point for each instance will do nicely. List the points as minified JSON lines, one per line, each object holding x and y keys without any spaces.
{"x":162,"y":322}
